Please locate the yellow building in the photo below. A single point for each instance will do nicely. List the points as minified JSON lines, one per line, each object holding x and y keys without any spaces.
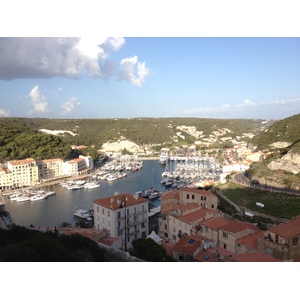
{"x":50,"y":169}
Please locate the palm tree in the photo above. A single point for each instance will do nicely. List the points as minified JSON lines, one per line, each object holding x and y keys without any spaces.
{"x":65,"y":224}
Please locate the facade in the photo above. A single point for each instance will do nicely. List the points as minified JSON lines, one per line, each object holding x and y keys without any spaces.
{"x":248,"y":244}
{"x":178,"y":221}
{"x":76,"y":167}
{"x":190,"y":195}
{"x":50,"y":169}
{"x":22,"y":172}
{"x":231,"y":232}
{"x":282,"y":241}
{"x":122,"y":215}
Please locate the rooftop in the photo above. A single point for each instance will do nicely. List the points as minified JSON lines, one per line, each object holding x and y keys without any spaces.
{"x":288,"y":229}
{"x":114,"y":202}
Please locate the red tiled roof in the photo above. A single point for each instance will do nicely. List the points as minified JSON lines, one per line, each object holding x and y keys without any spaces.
{"x":169,"y":247}
{"x":183,"y":207}
{"x":113,"y":202}
{"x":197,"y":215}
{"x":237,"y":226}
{"x":215,"y":222}
{"x":188,"y":244}
{"x":255,"y":257}
{"x":21,"y":161}
{"x":288,"y":229}
{"x":172,"y":194}
{"x":251,"y":240}
{"x":109,"y":240}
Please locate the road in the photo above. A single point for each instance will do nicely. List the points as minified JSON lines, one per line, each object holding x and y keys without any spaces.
{"x":242,"y":179}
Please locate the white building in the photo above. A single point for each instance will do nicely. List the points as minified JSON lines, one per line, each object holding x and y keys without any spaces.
{"x":122,"y":215}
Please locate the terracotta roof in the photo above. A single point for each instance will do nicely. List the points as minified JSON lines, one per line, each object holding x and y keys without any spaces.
{"x":251,"y":240}
{"x":169,"y":247}
{"x":215,"y":222}
{"x":196,"y":215}
{"x":172,"y":194}
{"x":113,"y":203}
{"x":108,"y":241}
{"x":183,"y":207}
{"x":237,"y":226}
{"x":188,"y":244}
{"x":53,"y":159}
{"x":255,"y":257}
{"x":211,"y":254}
{"x":288,"y":229}
{"x":21,"y":161}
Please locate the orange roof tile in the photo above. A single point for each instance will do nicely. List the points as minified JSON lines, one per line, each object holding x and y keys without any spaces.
{"x":197,"y":215}
{"x":215,"y":222}
{"x":237,"y":226}
{"x":172,"y":194}
{"x":255,"y":257}
{"x":288,"y":229}
{"x":113,"y":202}
{"x":188,"y":244}
{"x":251,"y":240}
{"x":197,"y":191}
{"x":108,"y":241}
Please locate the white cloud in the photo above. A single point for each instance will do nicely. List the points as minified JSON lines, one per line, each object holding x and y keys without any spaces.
{"x":38,"y":99}
{"x":4,"y":113}
{"x":133,"y":71}
{"x":54,"y":57}
{"x":69,"y":105}
{"x":246,"y":102}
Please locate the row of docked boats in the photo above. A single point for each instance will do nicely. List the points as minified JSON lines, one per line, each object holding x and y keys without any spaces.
{"x":79,"y":184}
{"x":150,"y":193}
{"x":30,"y":195}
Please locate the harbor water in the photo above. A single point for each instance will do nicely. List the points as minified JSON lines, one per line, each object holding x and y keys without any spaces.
{"x":54,"y":210}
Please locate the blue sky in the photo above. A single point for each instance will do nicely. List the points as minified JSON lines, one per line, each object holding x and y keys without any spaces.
{"x":178,"y":61}
{"x":150,"y":77}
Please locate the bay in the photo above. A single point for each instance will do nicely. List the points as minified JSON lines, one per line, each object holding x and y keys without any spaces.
{"x":54,"y":210}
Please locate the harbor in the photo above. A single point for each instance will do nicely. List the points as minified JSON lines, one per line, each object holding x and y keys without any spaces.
{"x":146,"y":181}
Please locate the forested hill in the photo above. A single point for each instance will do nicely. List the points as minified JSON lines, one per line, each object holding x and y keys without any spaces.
{"x":19,"y":142}
{"x":142,"y":131}
{"x":284,"y":132}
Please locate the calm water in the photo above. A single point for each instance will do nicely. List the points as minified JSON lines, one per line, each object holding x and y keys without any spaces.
{"x":56,"y":209}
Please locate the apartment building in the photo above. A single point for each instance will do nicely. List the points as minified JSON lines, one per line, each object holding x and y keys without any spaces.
{"x":122,"y":215}
{"x":231,"y":232}
{"x":187,"y":195}
{"x":50,"y":169}
{"x":76,"y":167}
{"x":248,"y":244}
{"x":180,"y":220}
{"x":282,"y":241}
{"x":20,"y":173}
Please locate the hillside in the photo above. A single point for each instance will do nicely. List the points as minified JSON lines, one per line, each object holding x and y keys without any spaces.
{"x":280,"y":134}
{"x":142,"y":131}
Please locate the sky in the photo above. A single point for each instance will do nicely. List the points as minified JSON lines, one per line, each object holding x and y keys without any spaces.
{"x":113,"y":74}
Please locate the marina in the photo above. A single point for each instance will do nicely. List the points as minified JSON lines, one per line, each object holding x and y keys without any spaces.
{"x":58,"y":206}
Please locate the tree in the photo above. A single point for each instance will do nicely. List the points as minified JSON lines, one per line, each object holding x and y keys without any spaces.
{"x":149,"y":250}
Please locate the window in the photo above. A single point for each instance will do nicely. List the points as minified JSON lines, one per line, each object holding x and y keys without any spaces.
{"x":119,"y":215}
{"x":224,"y":246}
{"x":108,"y":213}
{"x":269,"y":251}
{"x":187,"y":196}
{"x":212,"y":206}
{"x":295,"y":241}
{"x":193,"y":197}
{"x":102,"y":211}
{"x":225,"y":235}
{"x":203,"y":197}
{"x":248,"y":250}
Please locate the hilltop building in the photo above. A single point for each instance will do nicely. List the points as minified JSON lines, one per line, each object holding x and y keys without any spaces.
{"x":122,"y":215}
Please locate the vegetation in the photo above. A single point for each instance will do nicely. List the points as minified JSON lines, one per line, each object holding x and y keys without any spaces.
{"x":280,"y":205}
{"x":149,"y":250}
{"x":27,"y":245}
{"x":286,"y":130}
{"x":142,"y":131}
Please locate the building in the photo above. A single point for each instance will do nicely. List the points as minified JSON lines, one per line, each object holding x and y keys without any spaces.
{"x":248,"y":244}
{"x":180,"y":220}
{"x":190,"y":195}
{"x":50,"y":169}
{"x":76,"y":167}
{"x":282,"y":241}
{"x":231,"y":232}
{"x":122,"y":215}
{"x":21,"y":173}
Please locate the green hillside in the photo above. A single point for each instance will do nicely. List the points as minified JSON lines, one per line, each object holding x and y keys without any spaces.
{"x":286,"y":130}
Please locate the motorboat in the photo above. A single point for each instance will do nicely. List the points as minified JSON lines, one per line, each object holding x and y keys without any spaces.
{"x":91,"y":185}
{"x":153,"y":196}
{"x":38,"y":196}
{"x":82,"y":213}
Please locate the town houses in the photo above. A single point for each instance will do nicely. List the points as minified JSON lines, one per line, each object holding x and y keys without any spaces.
{"x":29,"y":172}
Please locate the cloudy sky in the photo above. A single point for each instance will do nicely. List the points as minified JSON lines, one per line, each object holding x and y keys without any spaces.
{"x":124,"y":77}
